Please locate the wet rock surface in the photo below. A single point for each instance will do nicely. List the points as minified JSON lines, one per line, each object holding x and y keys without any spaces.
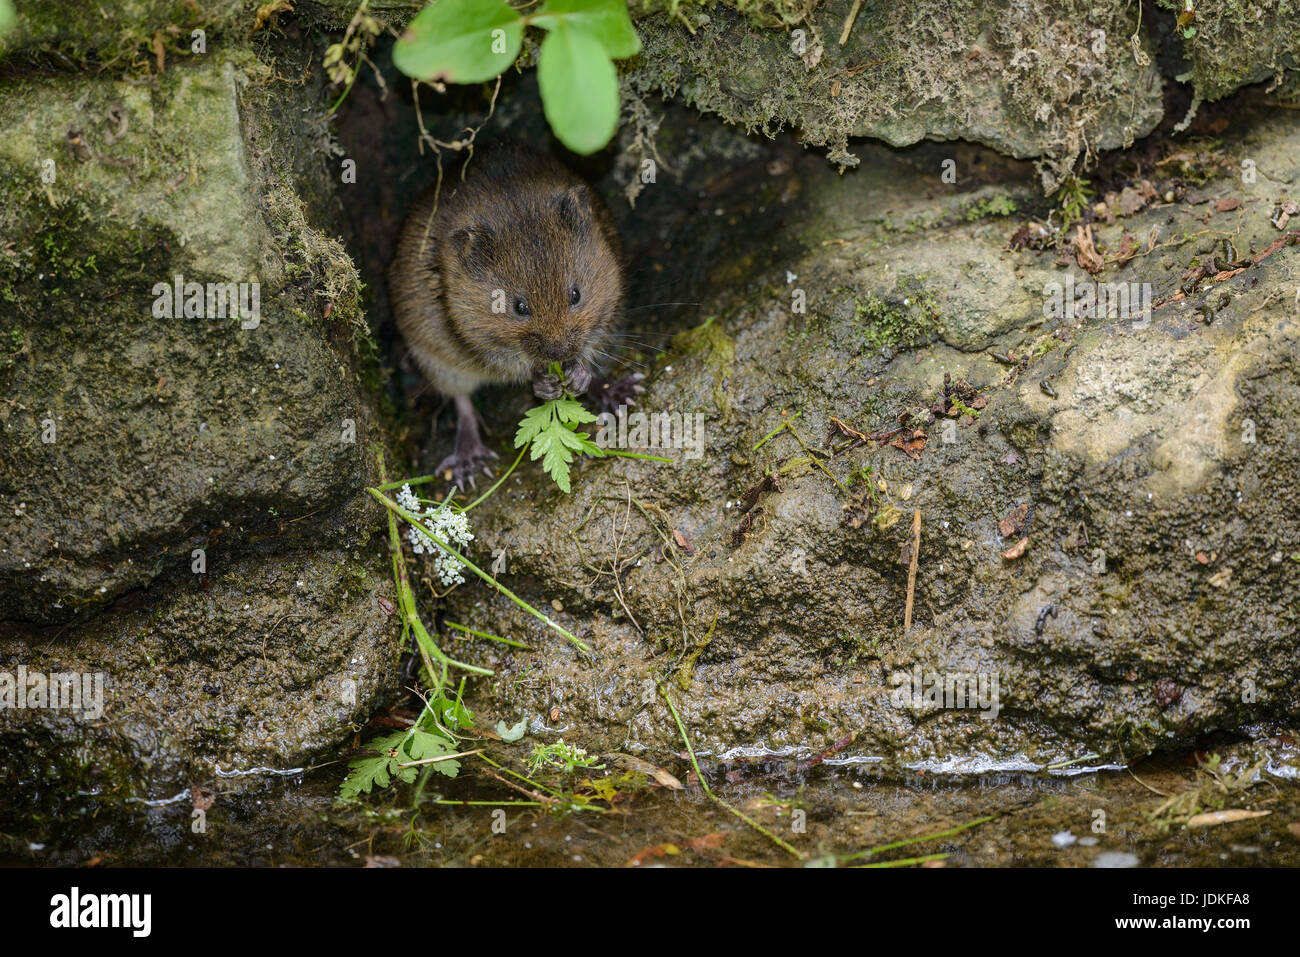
{"x":170,"y":458}
{"x":1147,"y":462}
{"x":1107,"y":521}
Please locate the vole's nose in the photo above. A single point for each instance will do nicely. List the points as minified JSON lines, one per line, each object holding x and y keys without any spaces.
{"x":554,"y":350}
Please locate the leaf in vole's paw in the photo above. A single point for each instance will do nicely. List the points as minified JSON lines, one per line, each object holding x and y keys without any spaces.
{"x":551,"y":428}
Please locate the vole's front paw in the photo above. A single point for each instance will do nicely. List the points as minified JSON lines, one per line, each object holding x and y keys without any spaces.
{"x":609,"y":394}
{"x":466,"y":462}
{"x":577,"y":377}
{"x":546,"y":385}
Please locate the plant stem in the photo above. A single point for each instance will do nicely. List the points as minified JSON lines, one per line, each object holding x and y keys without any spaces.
{"x":771,"y":435}
{"x":514,"y":465}
{"x":490,"y":803}
{"x":417,"y":522}
{"x":906,"y":861}
{"x":444,"y":757}
{"x":917,"y":840}
{"x":483,"y":634}
{"x":638,"y":455}
{"x":709,"y":791}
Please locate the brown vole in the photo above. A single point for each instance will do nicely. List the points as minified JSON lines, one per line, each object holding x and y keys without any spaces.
{"x":514,"y":268}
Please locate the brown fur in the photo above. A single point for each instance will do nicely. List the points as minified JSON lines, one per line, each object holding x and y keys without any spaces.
{"x":520,"y":227}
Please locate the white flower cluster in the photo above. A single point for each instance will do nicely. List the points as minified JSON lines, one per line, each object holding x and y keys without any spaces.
{"x":451,"y":526}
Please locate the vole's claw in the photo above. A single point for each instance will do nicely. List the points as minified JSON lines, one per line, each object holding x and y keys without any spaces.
{"x":546,"y":386}
{"x":608,"y":395}
{"x":465,"y":462}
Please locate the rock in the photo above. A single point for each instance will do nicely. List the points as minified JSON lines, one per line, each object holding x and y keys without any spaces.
{"x":1030,"y":80}
{"x":263,"y":665}
{"x":1229,"y":45}
{"x":132,"y":439}
{"x":166,"y":481}
{"x":61,"y":34}
{"x":1136,"y":464}
{"x":1039,"y":81}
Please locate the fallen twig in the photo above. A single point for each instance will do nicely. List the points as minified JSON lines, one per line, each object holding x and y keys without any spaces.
{"x":911,"y":568}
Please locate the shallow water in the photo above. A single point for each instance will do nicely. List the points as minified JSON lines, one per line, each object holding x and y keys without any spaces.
{"x":828,"y":814}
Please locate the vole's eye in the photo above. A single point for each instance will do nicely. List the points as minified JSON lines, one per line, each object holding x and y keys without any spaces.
{"x":575,"y":295}
{"x":521,"y":307}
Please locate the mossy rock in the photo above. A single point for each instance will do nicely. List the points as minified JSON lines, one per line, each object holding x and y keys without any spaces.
{"x":1158,"y":462}
{"x":265,"y":663}
{"x":1052,"y":81}
{"x":133,"y":439}
{"x":1232,"y":43}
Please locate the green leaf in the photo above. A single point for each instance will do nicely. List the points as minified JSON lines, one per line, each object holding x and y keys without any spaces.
{"x":579,"y":88}
{"x":8,"y":17}
{"x":460,"y":41}
{"x":573,"y":412}
{"x":550,"y":430}
{"x":607,"y":20}
{"x":366,"y":773}
{"x":423,"y":744}
{"x":451,"y":713}
{"x":371,"y":772}
{"x":512,"y":734}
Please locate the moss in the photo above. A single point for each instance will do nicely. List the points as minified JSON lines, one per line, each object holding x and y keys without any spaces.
{"x":202,"y":414}
{"x":123,"y":36}
{"x":1230,"y":43}
{"x":908,"y":317}
{"x":772,"y":14}
{"x":965,"y":71}
{"x":991,"y":206}
{"x":716,"y":349}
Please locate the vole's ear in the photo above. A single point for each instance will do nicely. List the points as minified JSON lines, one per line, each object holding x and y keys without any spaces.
{"x":574,"y":207}
{"x":475,"y":247}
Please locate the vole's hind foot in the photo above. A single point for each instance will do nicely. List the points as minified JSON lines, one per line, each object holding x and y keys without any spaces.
{"x":608,"y":394}
{"x":470,"y":455}
{"x":464,"y":464}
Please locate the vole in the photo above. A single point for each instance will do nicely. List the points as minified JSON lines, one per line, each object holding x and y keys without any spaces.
{"x":515,"y":267}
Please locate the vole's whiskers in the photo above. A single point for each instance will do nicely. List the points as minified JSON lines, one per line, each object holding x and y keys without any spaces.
{"x":656,"y":305}
{"x":618,"y":360}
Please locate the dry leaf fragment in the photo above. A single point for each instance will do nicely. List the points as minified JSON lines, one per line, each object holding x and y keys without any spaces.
{"x":1016,"y":550}
{"x":630,"y":763}
{"x":1226,"y":204}
{"x":912,"y":445}
{"x":1131,"y":200}
{"x":202,"y":798}
{"x":1128,"y":247}
{"x":1286,"y":239}
{"x":1085,"y":252}
{"x":1014,"y":522}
